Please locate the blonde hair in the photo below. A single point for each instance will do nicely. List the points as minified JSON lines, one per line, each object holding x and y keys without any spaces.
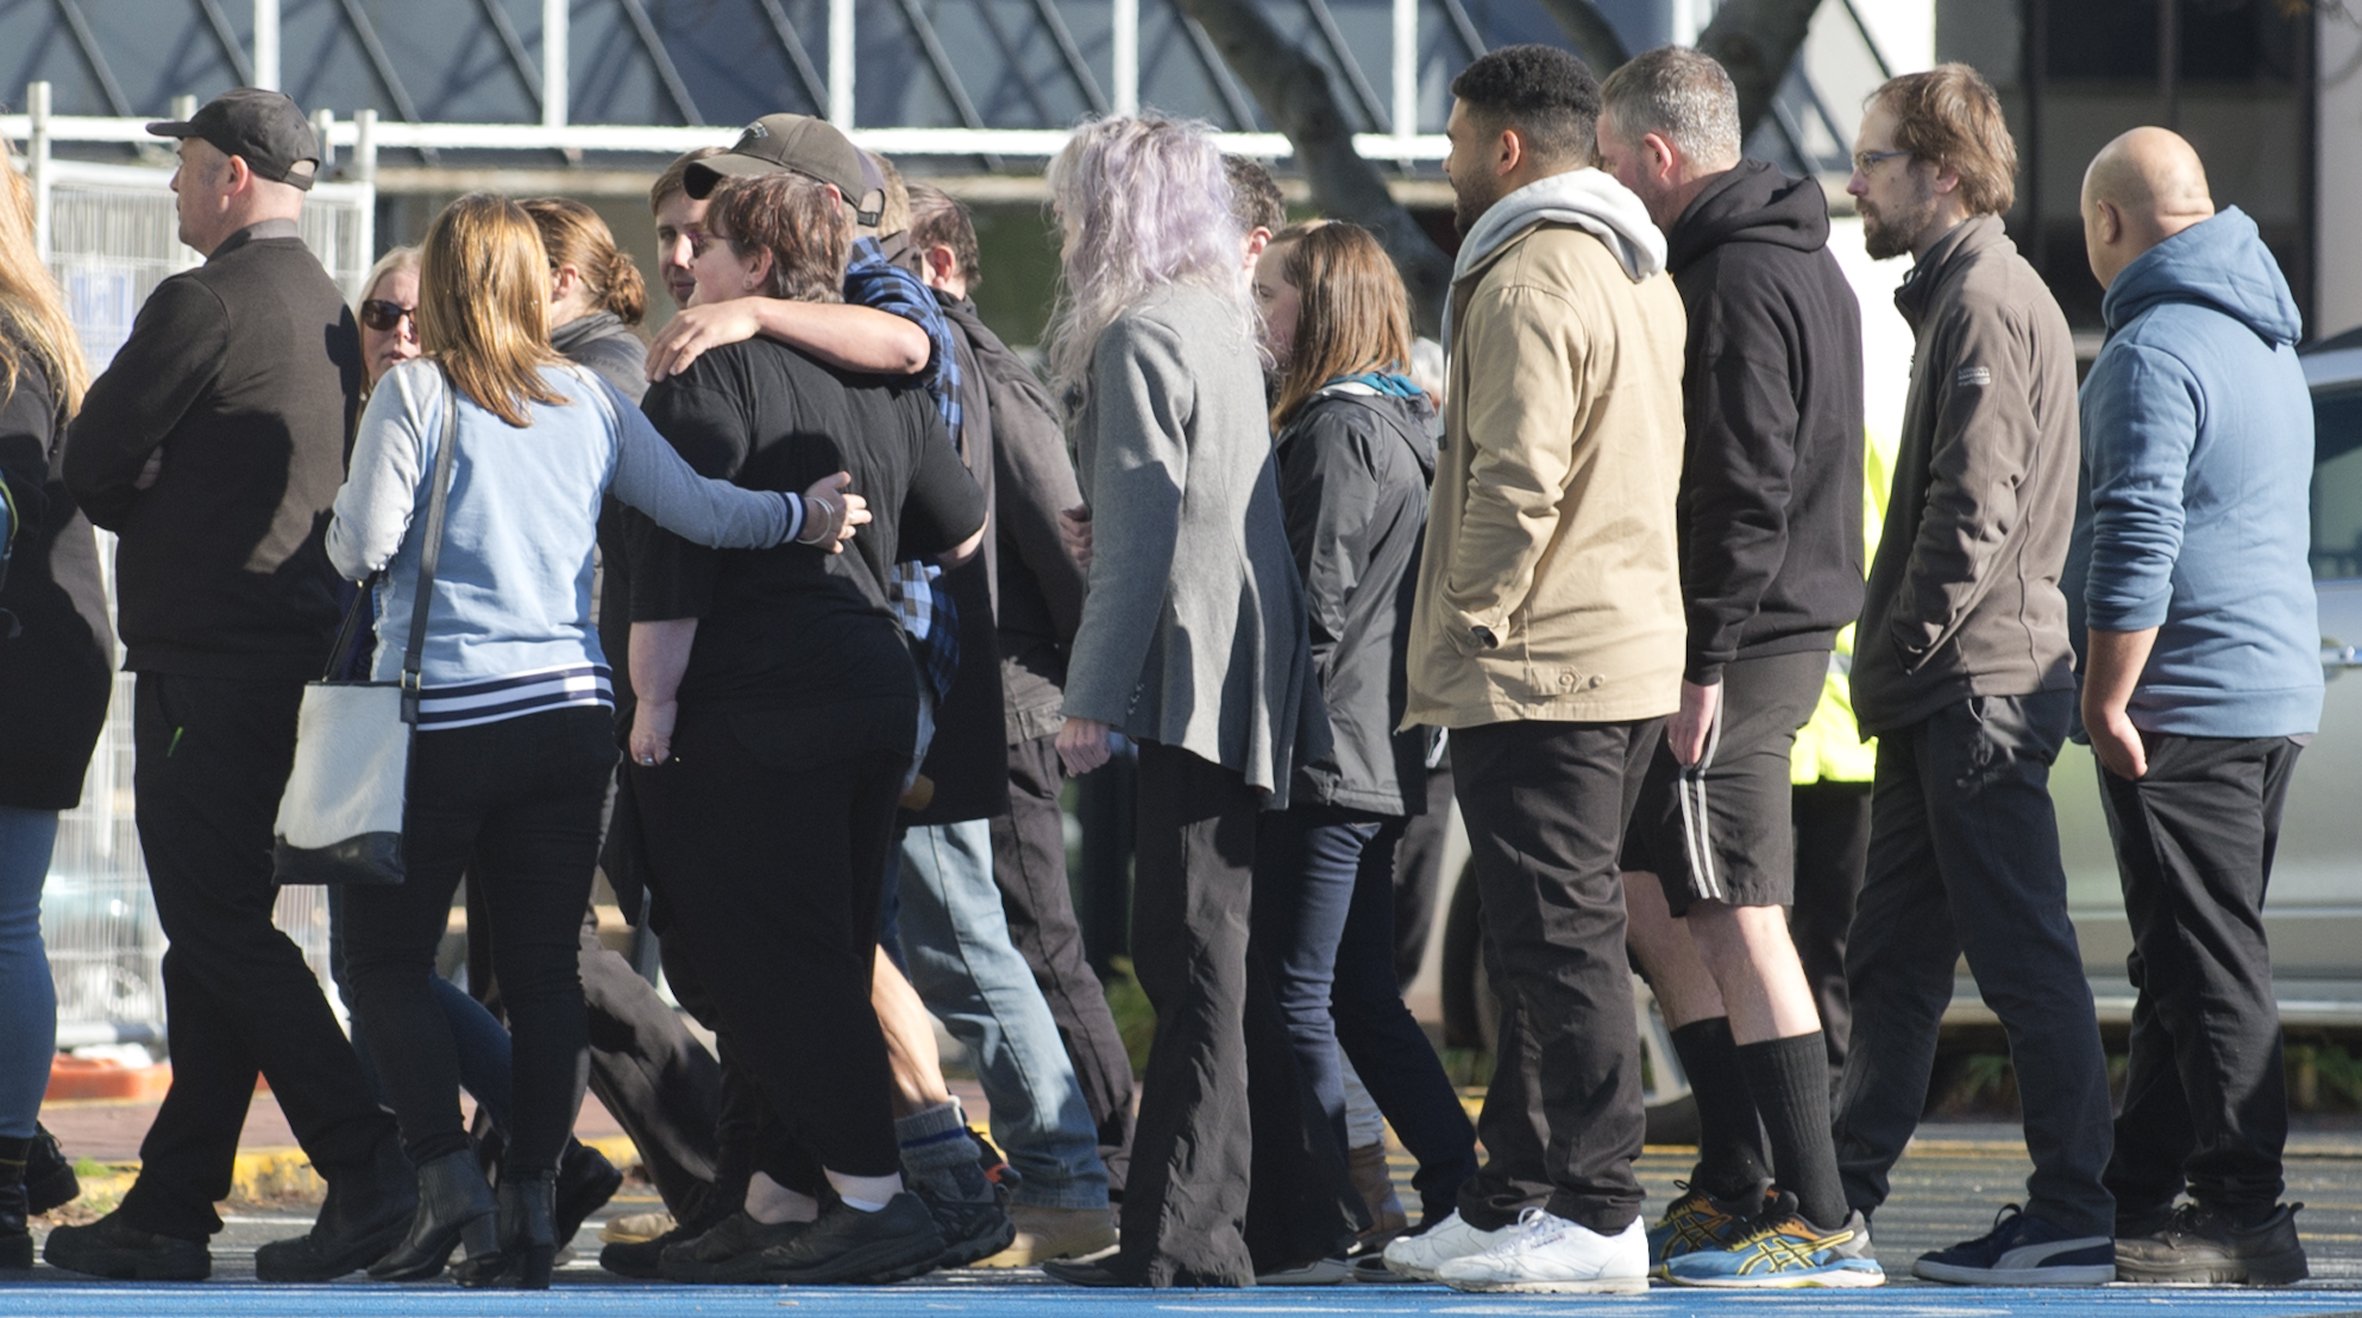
{"x":573,"y":234}
{"x":483,"y":304}
{"x":395,"y":259}
{"x":32,"y":312}
{"x":1144,"y":204}
{"x":1352,"y":313}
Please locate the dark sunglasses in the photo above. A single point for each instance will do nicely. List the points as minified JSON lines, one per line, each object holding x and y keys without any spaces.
{"x":381,"y":315}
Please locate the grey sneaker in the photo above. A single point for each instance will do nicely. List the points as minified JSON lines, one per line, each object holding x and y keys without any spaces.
{"x":2203,"y":1245}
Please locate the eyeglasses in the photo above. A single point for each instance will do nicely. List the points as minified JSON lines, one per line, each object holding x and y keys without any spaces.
{"x":1865,"y":161}
{"x":381,"y":315}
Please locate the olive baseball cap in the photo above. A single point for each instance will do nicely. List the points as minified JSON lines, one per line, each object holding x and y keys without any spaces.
{"x":797,"y":142}
{"x":264,"y":128}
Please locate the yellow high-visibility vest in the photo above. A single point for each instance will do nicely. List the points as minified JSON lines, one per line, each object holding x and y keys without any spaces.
{"x":1829,"y":747}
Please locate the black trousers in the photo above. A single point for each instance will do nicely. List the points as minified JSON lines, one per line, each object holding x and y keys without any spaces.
{"x":770,"y":873}
{"x":1964,"y":857}
{"x":238,"y":997}
{"x":649,"y":1072}
{"x":660,"y":1083}
{"x":1832,"y":822}
{"x":1029,"y":863}
{"x":2205,"y":1098}
{"x":1546,"y":804}
{"x":516,"y":805}
{"x":740,"y":1121}
{"x":1234,"y":1170}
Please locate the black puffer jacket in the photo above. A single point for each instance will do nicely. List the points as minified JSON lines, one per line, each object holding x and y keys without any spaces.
{"x":1354,"y":466}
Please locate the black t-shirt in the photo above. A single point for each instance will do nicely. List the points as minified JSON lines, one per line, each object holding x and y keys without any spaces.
{"x":794,"y":627}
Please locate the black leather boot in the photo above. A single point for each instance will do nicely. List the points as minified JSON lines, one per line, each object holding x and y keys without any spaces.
{"x":454,"y":1206}
{"x":49,"y":1179}
{"x":366,"y":1213}
{"x":16,"y":1238}
{"x":528,"y":1237}
{"x":586,"y":1181}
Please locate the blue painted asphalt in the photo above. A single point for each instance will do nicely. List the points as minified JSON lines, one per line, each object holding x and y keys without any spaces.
{"x":1012,"y":1298}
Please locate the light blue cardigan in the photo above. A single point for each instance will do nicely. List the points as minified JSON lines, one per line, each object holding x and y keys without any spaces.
{"x":513,"y":588}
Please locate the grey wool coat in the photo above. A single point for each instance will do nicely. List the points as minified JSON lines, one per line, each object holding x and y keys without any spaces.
{"x":1193,"y":633}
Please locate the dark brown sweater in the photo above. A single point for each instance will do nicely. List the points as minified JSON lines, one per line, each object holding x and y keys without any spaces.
{"x":1964,"y":595}
{"x":242,"y":377}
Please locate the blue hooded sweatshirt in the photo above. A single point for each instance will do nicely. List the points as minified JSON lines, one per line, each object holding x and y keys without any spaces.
{"x":2198,"y":458}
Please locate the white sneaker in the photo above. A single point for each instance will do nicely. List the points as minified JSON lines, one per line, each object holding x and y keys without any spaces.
{"x":1548,"y":1254}
{"x":1417,"y":1257}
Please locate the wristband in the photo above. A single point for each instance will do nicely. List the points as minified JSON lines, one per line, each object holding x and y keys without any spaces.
{"x":822,"y":513}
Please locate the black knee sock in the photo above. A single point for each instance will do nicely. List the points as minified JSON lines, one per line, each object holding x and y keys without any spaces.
{"x":1789,"y":1079}
{"x":1730,"y":1143}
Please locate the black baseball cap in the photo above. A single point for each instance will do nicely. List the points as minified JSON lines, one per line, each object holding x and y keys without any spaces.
{"x":803,"y":144}
{"x":265,"y":128}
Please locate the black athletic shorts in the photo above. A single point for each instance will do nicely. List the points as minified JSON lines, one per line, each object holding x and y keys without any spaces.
{"x":1723,"y":832}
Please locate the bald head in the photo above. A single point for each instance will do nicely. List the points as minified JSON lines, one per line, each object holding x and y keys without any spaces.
{"x":2141,"y":189}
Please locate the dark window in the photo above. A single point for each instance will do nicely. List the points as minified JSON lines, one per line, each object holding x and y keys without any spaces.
{"x":2101,"y":39}
{"x":2254,"y":42}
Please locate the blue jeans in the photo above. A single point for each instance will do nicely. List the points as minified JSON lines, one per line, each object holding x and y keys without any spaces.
{"x":28,"y":997}
{"x":485,"y":1070}
{"x":1323,"y":921}
{"x":969,"y":973}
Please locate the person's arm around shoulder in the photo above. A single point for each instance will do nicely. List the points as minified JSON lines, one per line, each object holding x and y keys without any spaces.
{"x":174,"y":354}
{"x":852,"y":338}
{"x":373,"y":508}
{"x":943,"y":509}
{"x":1522,"y":417}
{"x":2144,"y":408}
{"x":1142,"y":397}
{"x":652,"y":476}
{"x":1986,"y":442}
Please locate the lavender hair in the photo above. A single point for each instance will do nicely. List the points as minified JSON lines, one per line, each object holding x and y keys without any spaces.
{"x":1143,"y":203}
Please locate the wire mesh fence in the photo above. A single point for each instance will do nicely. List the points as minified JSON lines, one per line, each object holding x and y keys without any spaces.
{"x":113,"y":236}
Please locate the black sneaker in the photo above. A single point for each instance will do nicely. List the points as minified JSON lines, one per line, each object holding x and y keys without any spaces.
{"x":2203,"y":1244}
{"x":642,"y":1260}
{"x":49,"y":1179}
{"x":850,"y":1247}
{"x":2022,"y":1250}
{"x":971,"y":1213}
{"x":114,"y":1248}
{"x":2136,"y":1220}
{"x":730,"y":1254}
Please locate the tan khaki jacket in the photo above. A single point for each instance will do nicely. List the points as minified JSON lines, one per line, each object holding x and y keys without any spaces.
{"x":1550,"y":587}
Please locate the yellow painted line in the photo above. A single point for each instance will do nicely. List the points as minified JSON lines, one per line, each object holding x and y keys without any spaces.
{"x":285,"y":1172}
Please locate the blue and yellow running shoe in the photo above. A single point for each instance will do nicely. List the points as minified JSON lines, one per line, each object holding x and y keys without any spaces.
{"x":1781,"y":1249}
{"x":1697,"y":1220}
